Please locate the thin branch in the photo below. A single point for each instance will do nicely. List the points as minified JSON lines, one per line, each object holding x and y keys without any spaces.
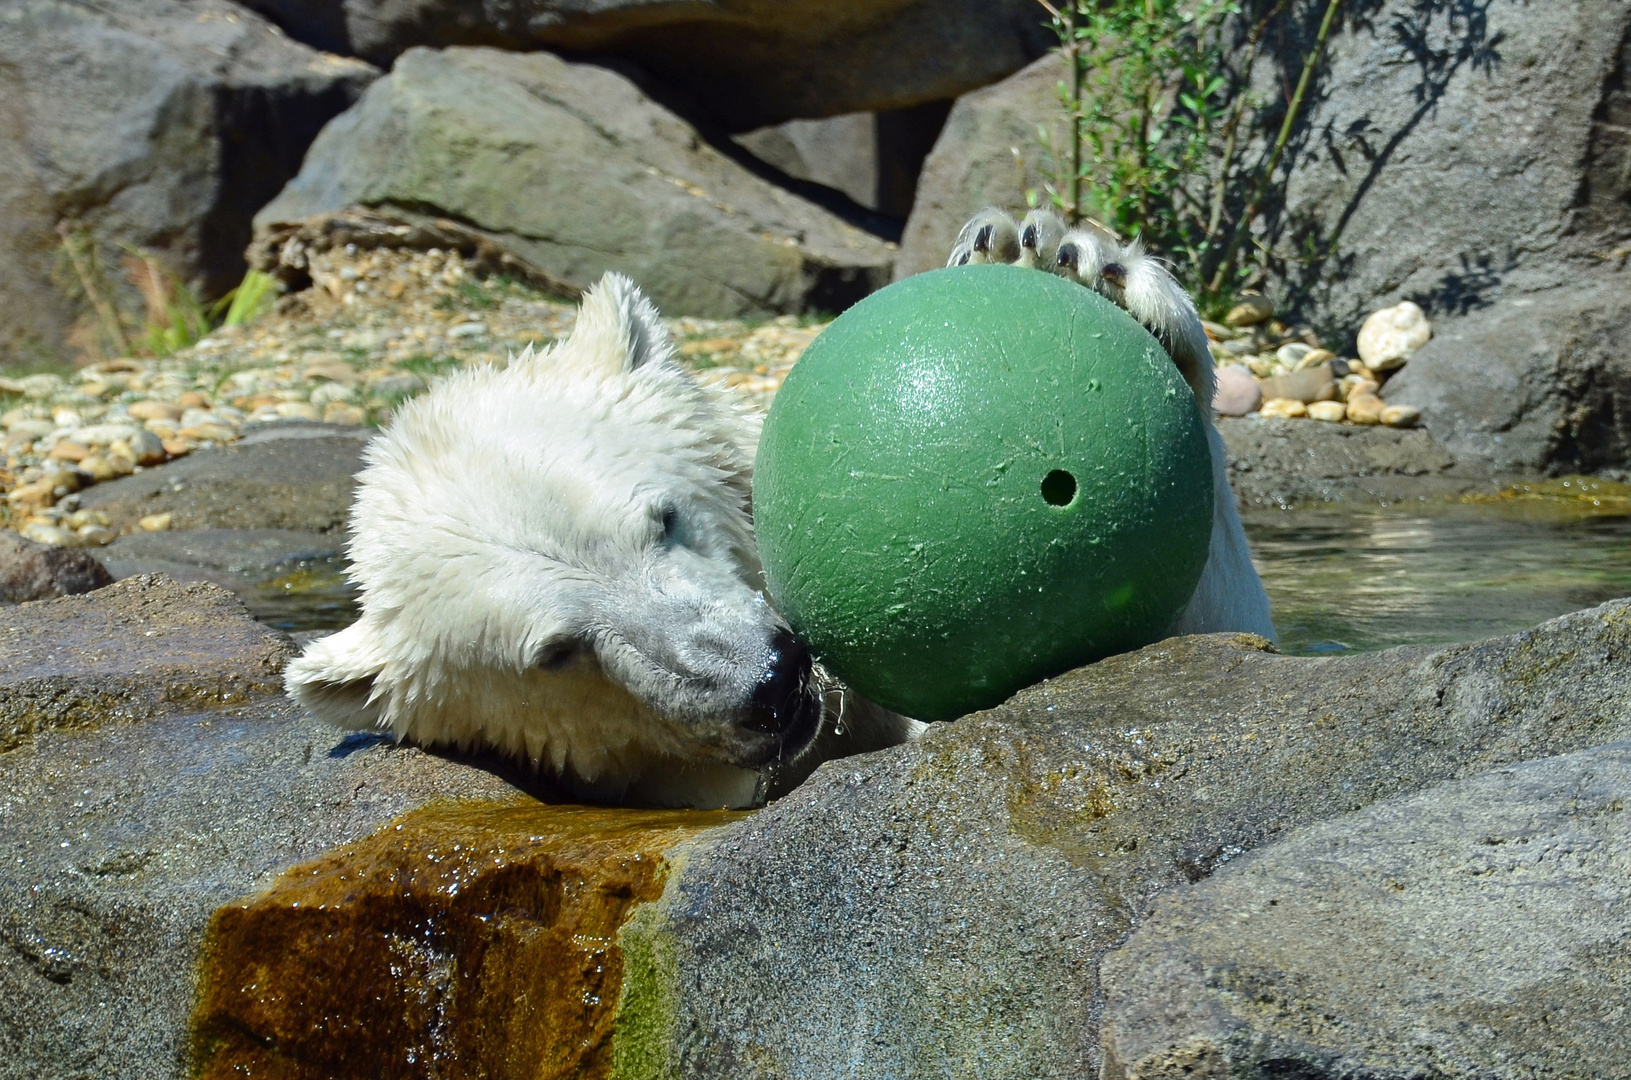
{"x":1074,"y":53}
{"x":87,"y":281}
{"x":1215,"y":219}
{"x":1260,"y":188}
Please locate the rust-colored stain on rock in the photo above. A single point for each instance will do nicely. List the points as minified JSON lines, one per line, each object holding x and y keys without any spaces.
{"x":466,"y":939}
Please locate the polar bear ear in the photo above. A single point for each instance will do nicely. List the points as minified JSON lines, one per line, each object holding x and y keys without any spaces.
{"x":334,"y":678}
{"x":619,"y":329}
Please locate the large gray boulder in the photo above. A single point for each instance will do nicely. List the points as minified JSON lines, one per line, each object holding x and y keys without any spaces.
{"x":1460,"y":155}
{"x":1474,"y":159}
{"x":575,"y":170}
{"x":987,"y":155}
{"x":1535,"y":381}
{"x":1473,"y":931}
{"x":750,"y":62}
{"x":936,"y":909}
{"x":297,"y":477}
{"x":164,"y":125}
{"x":30,"y":571}
{"x":1275,"y":462}
{"x":149,"y":774}
{"x":873,"y":157}
{"x":1470,"y":158}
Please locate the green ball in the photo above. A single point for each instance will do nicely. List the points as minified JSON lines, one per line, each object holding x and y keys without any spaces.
{"x":978,"y":478}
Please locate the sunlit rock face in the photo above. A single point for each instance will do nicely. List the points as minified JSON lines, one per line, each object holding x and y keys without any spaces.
{"x":164,"y":125}
{"x":750,"y":62}
{"x":465,"y":938}
{"x":577,"y":170}
{"x":201,"y":881}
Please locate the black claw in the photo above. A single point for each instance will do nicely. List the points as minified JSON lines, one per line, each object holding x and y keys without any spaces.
{"x":1028,"y":238}
{"x":1069,"y":257}
{"x":983,"y":238}
{"x":1114,"y":273}
{"x":962,"y":260}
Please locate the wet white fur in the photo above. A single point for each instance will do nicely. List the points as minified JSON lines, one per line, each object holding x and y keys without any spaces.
{"x":998,"y":244}
{"x":1229,"y":596}
{"x":556,"y":561}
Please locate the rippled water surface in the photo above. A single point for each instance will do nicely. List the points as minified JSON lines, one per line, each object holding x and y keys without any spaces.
{"x":1364,"y":578}
{"x":1344,"y":578}
{"x":311,"y":595}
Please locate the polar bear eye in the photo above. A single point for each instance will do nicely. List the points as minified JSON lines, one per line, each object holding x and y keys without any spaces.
{"x":557,"y":656}
{"x":671,"y":525}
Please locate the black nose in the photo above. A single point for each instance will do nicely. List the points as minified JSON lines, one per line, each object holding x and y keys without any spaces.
{"x":1068,"y":256}
{"x":784,"y":704}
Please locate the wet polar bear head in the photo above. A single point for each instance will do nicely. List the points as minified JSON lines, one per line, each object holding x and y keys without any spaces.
{"x":557,"y":560}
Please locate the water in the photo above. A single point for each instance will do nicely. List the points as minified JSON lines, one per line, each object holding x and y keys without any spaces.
{"x":308,"y":595}
{"x":1341,"y":578}
{"x":1363,"y":578}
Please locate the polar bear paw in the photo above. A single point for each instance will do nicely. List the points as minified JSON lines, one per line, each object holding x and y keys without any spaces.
{"x":1092,"y":256}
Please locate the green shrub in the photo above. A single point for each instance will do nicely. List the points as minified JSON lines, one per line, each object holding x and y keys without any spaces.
{"x":1156,"y":108}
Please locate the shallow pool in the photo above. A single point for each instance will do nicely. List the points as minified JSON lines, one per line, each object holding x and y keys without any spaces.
{"x":1361,"y":578}
{"x":1341,"y":578}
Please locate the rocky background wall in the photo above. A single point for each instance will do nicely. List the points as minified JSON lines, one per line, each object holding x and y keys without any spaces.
{"x":743,"y":158}
{"x":1203,"y":859}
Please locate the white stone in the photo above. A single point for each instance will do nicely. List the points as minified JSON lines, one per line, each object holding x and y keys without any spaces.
{"x":105,"y":434}
{"x":41,"y":533}
{"x":1391,"y":336}
{"x":1291,"y":352}
{"x":40,"y":387}
{"x":332,"y":391}
{"x":196,"y":417}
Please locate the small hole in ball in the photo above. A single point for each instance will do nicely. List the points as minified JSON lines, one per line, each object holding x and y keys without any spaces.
{"x":1059,"y":488}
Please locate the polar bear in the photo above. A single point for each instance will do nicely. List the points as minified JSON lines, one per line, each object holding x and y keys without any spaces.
{"x":1230,"y":595}
{"x":556,"y":560}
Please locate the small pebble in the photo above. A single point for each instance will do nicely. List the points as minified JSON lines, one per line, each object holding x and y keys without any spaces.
{"x":1309,"y":384}
{"x":42,"y":533}
{"x":155,"y":410}
{"x":1330,"y":411}
{"x":1365,"y":409}
{"x":1237,"y":392}
{"x":101,"y":467}
{"x":103,"y":434}
{"x":1401,"y":416}
{"x":1292,"y":352}
{"x":96,"y":536}
{"x":1250,"y":310}
{"x":1284,"y":408}
{"x":209,"y":432}
{"x":157,"y":522}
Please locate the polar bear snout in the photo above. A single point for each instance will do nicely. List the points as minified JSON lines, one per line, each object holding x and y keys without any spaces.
{"x":786,"y":704}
